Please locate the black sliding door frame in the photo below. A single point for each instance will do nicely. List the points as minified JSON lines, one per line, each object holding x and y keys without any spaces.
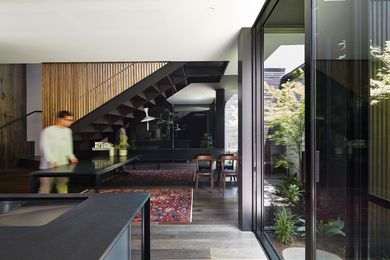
{"x":258,"y":119}
{"x":309,"y":157}
{"x":357,"y":193}
{"x":310,"y":134}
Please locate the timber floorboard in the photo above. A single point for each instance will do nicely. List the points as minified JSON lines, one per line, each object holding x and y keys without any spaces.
{"x":212,"y":234}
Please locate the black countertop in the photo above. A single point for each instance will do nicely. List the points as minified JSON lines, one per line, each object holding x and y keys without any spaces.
{"x":87,"y":231}
{"x":97,"y":165}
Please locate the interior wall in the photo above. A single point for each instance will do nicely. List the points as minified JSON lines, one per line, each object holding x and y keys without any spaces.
{"x":12,"y":106}
{"x":13,"y":101}
{"x":34,"y":103}
{"x":245,"y":198}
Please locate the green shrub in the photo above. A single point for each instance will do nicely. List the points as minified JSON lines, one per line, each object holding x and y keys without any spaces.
{"x":332,"y":228}
{"x":207,"y":141}
{"x":284,"y":226}
{"x":324,"y":230}
{"x":292,"y":189}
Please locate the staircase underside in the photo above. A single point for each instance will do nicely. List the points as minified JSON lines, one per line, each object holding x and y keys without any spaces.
{"x":129,"y":106}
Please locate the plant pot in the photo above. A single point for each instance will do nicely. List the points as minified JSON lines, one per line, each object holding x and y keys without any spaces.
{"x":122,"y":152}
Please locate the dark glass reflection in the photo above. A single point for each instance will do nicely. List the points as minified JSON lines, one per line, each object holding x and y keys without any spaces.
{"x":284,"y":125}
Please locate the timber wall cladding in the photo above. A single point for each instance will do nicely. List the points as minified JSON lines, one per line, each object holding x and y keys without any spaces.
{"x":13,"y":144}
{"x":83,"y":87}
{"x":13,"y":102}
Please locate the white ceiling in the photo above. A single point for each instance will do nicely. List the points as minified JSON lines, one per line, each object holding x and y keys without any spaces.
{"x":195,"y":93}
{"x":35,"y":31}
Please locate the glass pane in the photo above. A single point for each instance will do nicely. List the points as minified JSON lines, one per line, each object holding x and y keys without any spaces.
{"x":283,"y":104}
{"x":334,"y":120}
{"x":379,"y":188}
{"x":352,"y":86}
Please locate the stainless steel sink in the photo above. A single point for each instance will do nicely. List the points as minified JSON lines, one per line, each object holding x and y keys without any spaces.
{"x":8,"y":205}
{"x":32,"y":213}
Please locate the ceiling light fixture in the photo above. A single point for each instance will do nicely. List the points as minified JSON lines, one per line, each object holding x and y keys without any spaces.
{"x":147,"y":118}
{"x":211,"y":9}
{"x":177,"y":128}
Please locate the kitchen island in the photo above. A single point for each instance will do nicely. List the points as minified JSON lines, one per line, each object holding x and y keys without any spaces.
{"x":78,"y":226}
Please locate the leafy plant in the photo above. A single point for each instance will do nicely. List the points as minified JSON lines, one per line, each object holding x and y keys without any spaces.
{"x":287,"y":117}
{"x":324,"y":230}
{"x":123,"y":145}
{"x":284,"y":226}
{"x":292,"y":189}
{"x":385,"y":257}
{"x":380,"y":82}
{"x":284,"y":163}
{"x":207,"y":141}
{"x":380,"y":85}
{"x":329,"y":229}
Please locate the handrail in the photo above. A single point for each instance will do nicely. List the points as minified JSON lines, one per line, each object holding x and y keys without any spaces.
{"x":20,"y":118}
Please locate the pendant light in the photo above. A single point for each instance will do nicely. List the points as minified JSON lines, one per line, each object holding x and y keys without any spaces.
{"x":147,"y":118}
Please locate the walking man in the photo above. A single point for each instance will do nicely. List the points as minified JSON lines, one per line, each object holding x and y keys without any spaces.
{"x":56,"y":147}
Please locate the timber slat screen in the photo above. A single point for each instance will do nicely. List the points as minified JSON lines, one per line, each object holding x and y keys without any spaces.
{"x":83,"y":87}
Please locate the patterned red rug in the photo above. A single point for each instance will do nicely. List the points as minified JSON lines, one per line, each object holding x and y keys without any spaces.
{"x":166,"y":204}
{"x":173,"y":177}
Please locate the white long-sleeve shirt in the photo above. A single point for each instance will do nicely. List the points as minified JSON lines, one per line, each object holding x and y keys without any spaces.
{"x":56,"y":146}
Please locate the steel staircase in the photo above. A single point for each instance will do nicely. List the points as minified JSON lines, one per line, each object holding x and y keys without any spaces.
{"x":128,"y":106}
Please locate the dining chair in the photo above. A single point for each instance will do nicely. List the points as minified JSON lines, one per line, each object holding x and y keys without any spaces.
{"x":229,"y":168}
{"x":204,"y":167}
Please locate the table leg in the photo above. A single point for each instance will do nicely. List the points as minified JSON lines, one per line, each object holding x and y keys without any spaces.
{"x":97,"y":183}
{"x":145,"y":226}
{"x":33,"y":184}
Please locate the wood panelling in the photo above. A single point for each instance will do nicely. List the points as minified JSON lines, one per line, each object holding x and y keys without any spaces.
{"x":10,"y":153}
{"x":83,"y":87}
{"x":13,"y":102}
{"x":12,"y":106}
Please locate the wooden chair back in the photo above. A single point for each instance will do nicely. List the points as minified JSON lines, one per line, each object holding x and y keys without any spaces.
{"x":232,"y":158}
{"x":205,"y":158}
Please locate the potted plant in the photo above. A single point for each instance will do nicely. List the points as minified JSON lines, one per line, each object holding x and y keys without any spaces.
{"x":123,"y":145}
{"x":207,"y":141}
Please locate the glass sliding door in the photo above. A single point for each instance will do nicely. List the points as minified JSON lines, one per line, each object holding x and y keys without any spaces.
{"x":339,"y":107}
{"x":350,"y":90}
{"x":325,"y":196}
{"x":379,"y":112}
{"x":283,"y":132}
{"x":280,"y":135}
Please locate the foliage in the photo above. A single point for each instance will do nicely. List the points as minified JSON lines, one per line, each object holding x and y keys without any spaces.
{"x":292,"y":189}
{"x":380,"y":86}
{"x":207,"y":141}
{"x":284,"y":163}
{"x":287,"y":116}
{"x":332,"y":228}
{"x":324,"y":230}
{"x":123,"y":145}
{"x":284,"y":226}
